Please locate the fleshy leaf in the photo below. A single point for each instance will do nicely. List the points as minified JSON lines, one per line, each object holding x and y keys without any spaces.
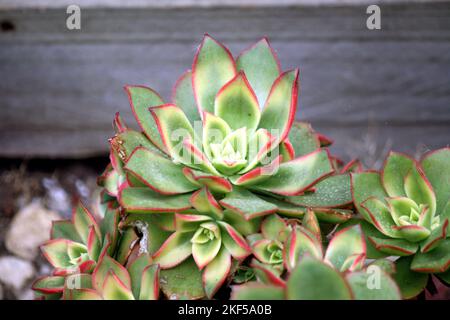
{"x":413,"y":233}
{"x":55,"y":251}
{"x":313,"y":279}
{"x":216,"y":272}
{"x":435,"y":261}
{"x":296,"y":176}
{"x":182,"y":282}
{"x":353,"y":166}
{"x":311,"y":223}
{"x":418,"y":188}
{"x":114,"y":289}
{"x":141,"y":98}
{"x":436,"y":166}
{"x":332,"y":192}
{"x":247,"y":204}
{"x":303,"y":138}
{"x":365,"y":185}
{"x":375,"y":285}
{"x":258,"y":174}
{"x":397,"y":247}
{"x":150,"y":283}
{"x":236,"y":103}
{"x":174,"y":250}
{"x":94,"y":244}
{"x":189,"y":222}
{"x":49,"y":285}
{"x":267,"y":274}
{"x":260,"y":144}
{"x":396,"y":167}
{"x":233,"y":242}
{"x":257,"y":291}
{"x":274,"y":228}
{"x":380,"y":216}
{"x":213,"y":66}
{"x":158,"y":173}
{"x":436,"y":237}
{"x":127,"y":241}
{"x":215,"y":130}
{"x":301,"y":242}
{"x":331,"y":215}
{"x":204,"y":202}
{"x":242,"y":225}
{"x":64,"y":229}
{"x":183,"y":96}
{"x":213,"y":182}
{"x":124,"y":143}
{"x":136,"y":269}
{"x":82,"y":220}
{"x":145,"y":200}
{"x":281,"y":105}
{"x":411,"y":283}
{"x":261,"y":66}
{"x":345,"y":243}
{"x":105,"y":266}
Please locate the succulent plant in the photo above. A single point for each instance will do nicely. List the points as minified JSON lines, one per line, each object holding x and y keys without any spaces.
{"x":340,"y":272}
{"x":408,"y":206}
{"x":76,"y":246}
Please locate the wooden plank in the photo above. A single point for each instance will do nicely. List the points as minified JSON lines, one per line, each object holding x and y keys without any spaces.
{"x":61,"y":88}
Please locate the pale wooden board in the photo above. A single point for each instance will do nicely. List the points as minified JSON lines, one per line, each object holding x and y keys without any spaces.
{"x":60,"y":89}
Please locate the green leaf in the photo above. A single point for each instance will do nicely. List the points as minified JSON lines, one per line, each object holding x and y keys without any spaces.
{"x":189,"y":222}
{"x":396,"y":167}
{"x":216,"y":272}
{"x":124,"y":143}
{"x":261,"y":66}
{"x":376,"y":285}
{"x":268,"y":273}
{"x":82,"y":220}
{"x":411,"y":283}
{"x":234,"y":242}
{"x":84,"y":294}
{"x":296,"y":176}
{"x":413,"y":233}
{"x":242,"y":225}
{"x":345,"y":243}
{"x":313,"y":279}
{"x":301,"y":242}
{"x":215,"y":130}
{"x":213,"y":182}
{"x":204,"y":253}
{"x":144,"y":200}
{"x":237,"y":104}
{"x":136,"y":270}
{"x":384,"y":264}
{"x":182,"y":282}
{"x":303,"y":138}
{"x":175,"y":249}
{"x":333,"y":191}
{"x":141,"y":98}
{"x":281,"y":105}
{"x":114,"y":289}
{"x":109,"y":225}
{"x":418,"y":188}
{"x":274,"y":228}
{"x":396,"y":247}
{"x":285,"y":208}
{"x":257,"y":291}
{"x":247,"y":204}
{"x":435,"y":261}
{"x":311,"y":223}
{"x":55,"y":251}
{"x":204,"y":202}
{"x":436,"y":237}
{"x":158,"y":173}
{"x":94,"y":244}
{"x":127,"y":240}
{"x":150,"y":283}
{"x":174,"y":127}
{"x":183,"y":96}
{"x":331,"y":215}
{"x":213,"y":66}
{"x":436,"y":166}
{"x":380,"y":216}
{"x":401,"y":206}
{"x":105,"y":266}
{"x":49,"y":285}
{"x":257,"y":175}
{"x":366,"y":185}
{"x":64,"y":229}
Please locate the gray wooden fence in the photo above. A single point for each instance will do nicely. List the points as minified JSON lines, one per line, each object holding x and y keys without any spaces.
{"x":368,"y":89}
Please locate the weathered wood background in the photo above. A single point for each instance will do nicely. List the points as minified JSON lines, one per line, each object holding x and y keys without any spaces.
{"x":369,"y":90}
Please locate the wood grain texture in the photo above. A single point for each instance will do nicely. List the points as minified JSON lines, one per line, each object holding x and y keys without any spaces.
{"x":60,"y":88}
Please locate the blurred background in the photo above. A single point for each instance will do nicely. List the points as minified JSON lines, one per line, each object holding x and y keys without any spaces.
{"x":370,"y":90}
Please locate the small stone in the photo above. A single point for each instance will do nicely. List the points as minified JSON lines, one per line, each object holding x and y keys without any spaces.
{"x":15,"y":272}
{"x":29,"y":228}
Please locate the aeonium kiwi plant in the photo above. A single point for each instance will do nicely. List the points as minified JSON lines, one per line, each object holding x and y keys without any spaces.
{"x":221,"y":188}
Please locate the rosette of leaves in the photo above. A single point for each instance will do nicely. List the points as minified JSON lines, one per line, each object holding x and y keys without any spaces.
{"x":408,"y":206}
{"x":75,"y":247}
{"x":311,"y":273}
{"x":222,"y":154}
